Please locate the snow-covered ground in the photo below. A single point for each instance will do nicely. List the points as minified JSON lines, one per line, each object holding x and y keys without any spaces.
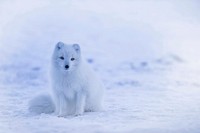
{"x":146,"y":53}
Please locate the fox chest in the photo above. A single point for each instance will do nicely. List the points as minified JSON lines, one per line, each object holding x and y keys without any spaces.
{"x":69,"y":87}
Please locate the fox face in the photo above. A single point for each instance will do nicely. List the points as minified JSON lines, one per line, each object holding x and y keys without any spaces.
{"x":66,"y":57}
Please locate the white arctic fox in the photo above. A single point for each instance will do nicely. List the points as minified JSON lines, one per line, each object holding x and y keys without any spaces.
{"x":75,"y":87}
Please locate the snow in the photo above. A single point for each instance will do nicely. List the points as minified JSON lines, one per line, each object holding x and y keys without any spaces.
{"x":145,"y":52}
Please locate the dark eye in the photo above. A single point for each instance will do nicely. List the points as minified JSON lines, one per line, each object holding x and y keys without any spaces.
{"x":62,"y":58}
{"x":72,"y":59}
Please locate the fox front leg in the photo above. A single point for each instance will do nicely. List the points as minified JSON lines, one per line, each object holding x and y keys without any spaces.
{"x":61,"y":105}
{"x":80,"y":103}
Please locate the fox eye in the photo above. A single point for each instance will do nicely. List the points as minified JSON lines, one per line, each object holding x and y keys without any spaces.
{"x":62,"y":58}
{"x":72,"y":59}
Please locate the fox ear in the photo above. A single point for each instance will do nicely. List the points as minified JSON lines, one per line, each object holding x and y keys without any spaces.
{"x":77,"y":47}
{"x":59,"y":45}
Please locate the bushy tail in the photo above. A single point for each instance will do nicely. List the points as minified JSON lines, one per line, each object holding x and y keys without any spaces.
{"x":41,"y":104}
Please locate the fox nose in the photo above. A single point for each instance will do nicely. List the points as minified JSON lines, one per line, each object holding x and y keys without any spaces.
{"x":66,"y":66}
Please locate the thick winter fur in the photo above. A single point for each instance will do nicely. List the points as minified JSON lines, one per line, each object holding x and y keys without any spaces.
{"x":41,"y":104}
{"x":75,"y":87}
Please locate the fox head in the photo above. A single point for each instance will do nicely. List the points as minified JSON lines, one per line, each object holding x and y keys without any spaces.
{"x":66,"y":57}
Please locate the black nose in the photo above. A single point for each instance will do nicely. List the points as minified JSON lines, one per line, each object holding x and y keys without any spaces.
{"x":66,"y":66}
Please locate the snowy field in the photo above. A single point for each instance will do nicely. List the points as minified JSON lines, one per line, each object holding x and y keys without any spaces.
{"x":145,"y":51}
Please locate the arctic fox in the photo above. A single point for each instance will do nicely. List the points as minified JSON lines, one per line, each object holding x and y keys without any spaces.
{"x":75,"y":88}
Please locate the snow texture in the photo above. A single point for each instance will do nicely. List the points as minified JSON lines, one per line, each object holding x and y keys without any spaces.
{"x":145,"y":52}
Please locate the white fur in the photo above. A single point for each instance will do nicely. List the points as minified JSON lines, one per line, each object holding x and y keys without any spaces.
{"x":41,"y":104}
{"x":75,"y":89}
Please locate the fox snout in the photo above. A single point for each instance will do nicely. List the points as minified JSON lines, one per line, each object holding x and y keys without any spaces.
{"x":66,"y":66}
